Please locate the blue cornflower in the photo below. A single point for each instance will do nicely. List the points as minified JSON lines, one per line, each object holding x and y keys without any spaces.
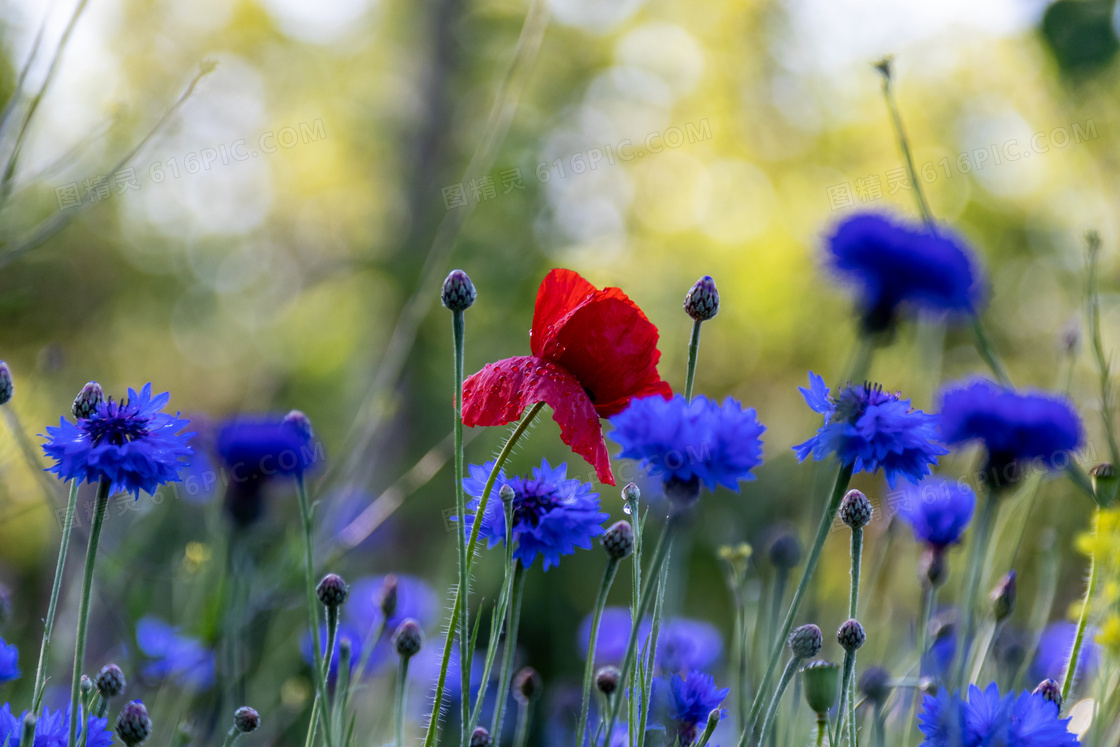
{"x":689,"y":444}
{"x":689,"y":700}
{"x":552,"y":515}
{"x":895,"y":265}
{"x":52,"y":728}
{"x":987,"y":718}
{"x":938,"y":510}
{"x":1014,"y":426}
{"x":870,"y":429}
{"x":682,"y":643}
{"x":9,"y":662}
{"x":264,"y":447}
{"x":1054,"y":646}
{"x":179,"y":658}
{"x":131,"y":444}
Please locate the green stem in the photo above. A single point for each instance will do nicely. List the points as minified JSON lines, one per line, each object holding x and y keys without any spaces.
{"x":328,"y":658}
{"x":693,"y":352}
{"x":987,"y":352}
{"x":1083,"y":620}
{"x":521,"y":733}
{"x":589,"y":667}
{"x":1093,"y":312}
{"x":843,"y":477}
{"x":847,"y":702}
{"x":857,"y":562}
{"x":508,"y":651}
{"x":497,"y":621}
{"x":781,"y":581}
{"x":842,"y":706}
{"x":878,"y":727}
{"x":472,"y":546}
{"x":52,"y":608}
{"x":319,"y":705}
{"x":775,"y":701}
{"x":928,"y":603}
{"x":709,"y":729}
{"x":645,"y":690}
{"x":822,"y":726}
{"x":101,"y":503}
{"x":639,"y":612}
{"x":981,"y":536}
{"x":465,"y":653}
{"x":402,"y":687}
{"x":342,"y":692}
{"x":231,"y":737}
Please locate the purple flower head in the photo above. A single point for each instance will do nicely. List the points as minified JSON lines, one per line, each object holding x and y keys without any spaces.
{"x":1012,"y":425}
{"x":870,"y":430}
{"x":988,"y":719}
{"x":688,"y":700}
{"x":174,"y":656}
{"x":131,"y":444}
{"x":552,"y":515}
{"x":346,"y":631}
{"x":1054,"y":647}
{"x":938,"y":510}
{"x":52,"y":728}
{"x":893,"y":265}
{"x":698,"y":442}
{"x":256,"y":447}
{"x":9,"y":662}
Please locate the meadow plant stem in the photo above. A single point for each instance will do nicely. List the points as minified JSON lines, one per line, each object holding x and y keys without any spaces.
{"x":693,"y":352}
{"x":1093,"y":315}
{"x":231,"y":737}
{"x":843,"y":477}
{"x":319,"y":705}
{"x":709,"y":729}
{"x":328,"y":657}
{"x":659,"y":554}
{"x":981,"y":536}
{"x":398,"y":708}
{"x":781,"y":581}
{"x":645,"y":691}
{"x":991,"y":632}
{"x":342,"y":694}
{"x":508,"y":652}
{"x":842,"y":705}
{"x":52,"y":607}
{"x":497,"y":622}
{"x":847,"y":681}
{"x":376,"y":631}
{"x":929,"y":601}
{"x":589,"y":668}
{"x":822,"y":727}
{"x":101,"y":503}
{"x":458,"y":340}
{"x":521,"y":732}
{"x":878,"y":727}
{"x":1083,"y":620}
{"x":776,"y":700}
{"x":472,"y":546}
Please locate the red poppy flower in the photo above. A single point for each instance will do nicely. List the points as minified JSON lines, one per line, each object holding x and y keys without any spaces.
{"x":593,"y":351}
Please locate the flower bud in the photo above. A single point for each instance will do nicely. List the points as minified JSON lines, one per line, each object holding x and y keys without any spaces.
{"x":821,"y":680}
{"x":932,"y":566}
{"x":480,"y":738}
{"x":785,"y":551}
{"x":856,"y":510}
{"x":851,"y":636}
{"x":86,"y":685}
{"x":1104,"y":483}
{"x":507,"y":494}
{"x":301,"y":423}
{"x":1003,"y":597}
{"x":875,"y":684}
{"x":527,"y":685}
{"x":389,"y":596}
{"x":702,"y":301}
{"x":458,"y":292}
{"x":246,"y":719}
{"x":332,"y":590}
{"x":1050,"y":690}
{"x":408,"y":638}
{"x":110,"y":681}
{"x":618,"y":541}
{"x":805,"y":641}
{"x":607,"y":678}
{"x":630,"y":493}
{"x":88,"y":400}
{"x":5,"y":383}
{"x":133,"y":724}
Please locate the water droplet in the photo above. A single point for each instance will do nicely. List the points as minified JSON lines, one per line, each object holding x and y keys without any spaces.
{"x":626,"y":509}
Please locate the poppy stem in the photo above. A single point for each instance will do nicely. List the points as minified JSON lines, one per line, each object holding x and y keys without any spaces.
{"x":1082,"y":621}
{"x":319,"y":706}
{"x":458,"y":340}
{"x":514,"y":618}
{"x":693,"y":353}
{"x":101,"y":503}
{"x":462,"y":591}
{"x":52,"y":608}
{"x":589,"y":668}
{"x":843,"y":477}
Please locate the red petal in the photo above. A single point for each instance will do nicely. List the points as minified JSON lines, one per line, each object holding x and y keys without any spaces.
{"x":611,"y":347}
{"x":561,"y":293}
{"x":500,"y":392}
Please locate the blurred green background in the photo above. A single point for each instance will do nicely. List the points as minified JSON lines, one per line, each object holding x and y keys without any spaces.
{"x":276,"y":228}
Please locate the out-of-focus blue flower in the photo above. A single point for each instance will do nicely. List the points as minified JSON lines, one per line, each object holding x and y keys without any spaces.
{"x":937,"y":661}
{"x":131,"y":444}
{"x":264,"y":447}
{"x":894,"y":265}
{"x":347,"y":632}
{"x":362,"y":612}
{"x":9,"y":662}
{"x":52,"y":729}
{"x":987,"y":719}
{"x":698,"y":442}
{"x":938,"y":510}
{"x":552,"y":515}
{"x":688,"y":700}
{"x":1012,"y":425}
{"x":614,"y":634}
{"x":682,"y":643}
{"x":173,"y":656}
{"x":871,"y":429}
{"x":1054,"y":647}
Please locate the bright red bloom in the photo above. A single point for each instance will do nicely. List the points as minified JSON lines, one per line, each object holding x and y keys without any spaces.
{"x":593,"y":351}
